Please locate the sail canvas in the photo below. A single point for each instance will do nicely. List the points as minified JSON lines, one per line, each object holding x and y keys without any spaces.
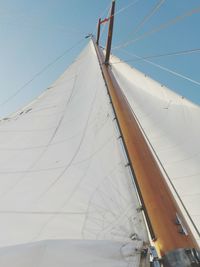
{"x":64,"y":181}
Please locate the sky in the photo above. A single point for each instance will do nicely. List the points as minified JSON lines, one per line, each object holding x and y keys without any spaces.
{"x":35,"y":33}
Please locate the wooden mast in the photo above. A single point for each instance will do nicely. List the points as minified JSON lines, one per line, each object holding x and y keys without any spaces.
{"x":110,"y":33}
{"x":170,"y":232}
{"x":98,"y":30}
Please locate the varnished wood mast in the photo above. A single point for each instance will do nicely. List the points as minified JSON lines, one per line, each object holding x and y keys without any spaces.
{"x":159,"y":204}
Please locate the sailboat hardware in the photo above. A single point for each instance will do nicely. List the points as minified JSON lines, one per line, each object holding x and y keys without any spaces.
{"x":182,"y":229}
{"x":153,"y":257}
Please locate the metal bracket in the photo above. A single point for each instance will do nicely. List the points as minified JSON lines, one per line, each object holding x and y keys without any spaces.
{"x":155,"y":261}
{"x":182,"y":229}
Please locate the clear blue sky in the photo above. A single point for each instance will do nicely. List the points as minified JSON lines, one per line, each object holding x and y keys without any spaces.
{"x":34,"y":33}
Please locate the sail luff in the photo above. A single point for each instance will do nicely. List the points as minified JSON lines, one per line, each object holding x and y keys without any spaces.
{"x":161,"y":206}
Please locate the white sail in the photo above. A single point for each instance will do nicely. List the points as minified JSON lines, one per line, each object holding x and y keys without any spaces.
{"x":172,"y":126}
{"x":66,"y":193}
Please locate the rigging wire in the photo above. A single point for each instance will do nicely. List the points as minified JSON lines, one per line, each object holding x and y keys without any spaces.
{"x":177,"y":53}
{"x":41,"y":72}
{"x":126,"y":7}
{"x":105,"y":11}
{"x":165,"y":69}
{"x":104,"y":25}
{"x":118,"y":12}
{"x":149,"y":16}
{"x":160,"y":27}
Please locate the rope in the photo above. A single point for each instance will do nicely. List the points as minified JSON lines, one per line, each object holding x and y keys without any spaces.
{"x":149,"y":15}
{"x":166,"y":69}
{"x":41,"y":72}
{"x":160,"y":27}
{"x":117,"y":13}
{"x":126,"y":7}
{"x":178,"y":53}
{"x":104,"y":26}
{"x":106,"y":10}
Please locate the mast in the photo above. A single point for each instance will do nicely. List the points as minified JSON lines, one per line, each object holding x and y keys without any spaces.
{"x":98,"y":30}
{"x":110,"y":33}
{"x":169,"y":230}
